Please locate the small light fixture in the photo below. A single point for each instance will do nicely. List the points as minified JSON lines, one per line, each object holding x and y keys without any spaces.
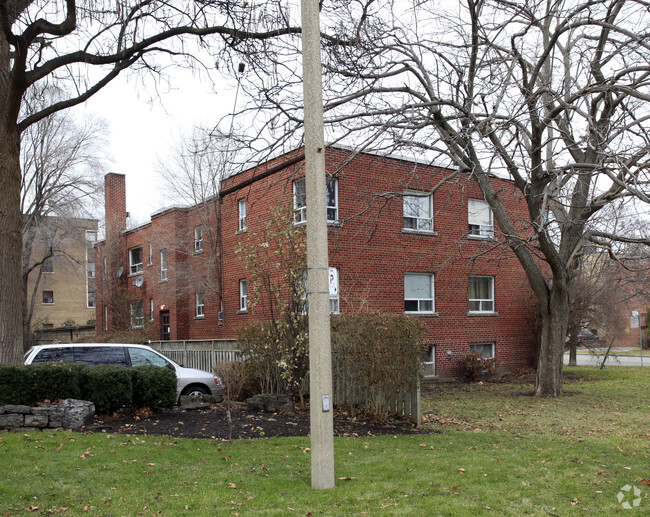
{"x":449,"y":353}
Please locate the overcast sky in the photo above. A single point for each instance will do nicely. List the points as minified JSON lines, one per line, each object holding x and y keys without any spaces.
{"x":141,"y":132}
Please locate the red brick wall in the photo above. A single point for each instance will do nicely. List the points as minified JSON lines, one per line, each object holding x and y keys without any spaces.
{"x":368,"y":246}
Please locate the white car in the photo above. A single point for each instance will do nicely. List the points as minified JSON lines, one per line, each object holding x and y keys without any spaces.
{"x":189,"y":380}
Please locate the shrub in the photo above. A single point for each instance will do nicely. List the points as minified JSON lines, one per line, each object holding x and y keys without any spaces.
{"x":474,"y":366}
{"x":13,"y":385}
{"x":277,"y":354}
{"x":377,"y":357}
{"x":108,"y":386}
{"x":53,"y":381}
{"x":153,"y":387}
{"x":237,"y":379}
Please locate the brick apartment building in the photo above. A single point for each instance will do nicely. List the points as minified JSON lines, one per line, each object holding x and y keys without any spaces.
{"x":404,"y":237}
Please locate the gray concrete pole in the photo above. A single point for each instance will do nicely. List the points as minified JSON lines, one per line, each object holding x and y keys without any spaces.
{"x":320,"y":351}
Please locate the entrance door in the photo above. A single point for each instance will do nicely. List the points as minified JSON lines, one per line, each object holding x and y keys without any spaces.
{"x":165,"y":329}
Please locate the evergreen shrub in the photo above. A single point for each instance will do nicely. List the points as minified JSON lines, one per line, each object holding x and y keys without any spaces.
{"x":108,"y":386}
{"x":153,"y":387}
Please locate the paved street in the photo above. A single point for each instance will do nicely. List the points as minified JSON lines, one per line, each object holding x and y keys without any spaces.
{"x":595,"y":357}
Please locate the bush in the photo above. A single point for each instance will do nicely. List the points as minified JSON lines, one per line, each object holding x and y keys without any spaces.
{"x":277,"y":354}
{"x":377,"y":358}
{"x":53,"y":381}
{"x":474,"y":367}
{"x":108,"y":386}
{"x":153,"y":387}
{"x":13,"y":385}
{"x":237,"y":379}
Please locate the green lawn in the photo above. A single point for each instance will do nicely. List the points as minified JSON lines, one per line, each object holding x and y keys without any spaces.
{"x":494,"y":450}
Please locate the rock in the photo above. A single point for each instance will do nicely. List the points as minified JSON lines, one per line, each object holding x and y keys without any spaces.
{"x":76,"y":413}
{"x":36,"y":420}
{"x":11,"y":421}
{"x":16,"y":408}
{"x":269,"y":403}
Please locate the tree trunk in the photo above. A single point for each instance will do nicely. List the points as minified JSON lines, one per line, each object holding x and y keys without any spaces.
{"x":11,"y":244}
{"x":11,"y":239}
{"x":573,"y":354}
{"x":553,"y":335}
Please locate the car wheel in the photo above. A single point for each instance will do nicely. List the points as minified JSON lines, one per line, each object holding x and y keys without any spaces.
{"x":195,"y":391}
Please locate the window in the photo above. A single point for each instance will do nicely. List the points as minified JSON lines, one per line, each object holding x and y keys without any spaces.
{"x":243,"y":296}
{"x":481,"y":294}
{"x":90,"y":268}
{"x":150,"y":254}
{"x":418,"y":212}
{"x":418,"y":293}
{"x":242,"y":215}
{"x":151,"y":313}
{"x":47,"y":266}
{"x":300,"y":201}
{"x":91,"y":236}
{"x":332,"y":194}
{"x":334,"y":289}
{"x":137,"y":314}
{"x":91,"y":299}
{"x":479,"y":216}
{"x":198,"y":239}
{"x":163,"y":265}
{"x":48,"y":297}
{"x":135,"y":260}
{"x":485,"y":349}
{"x":142,"y":357}
{"x":200,"y":307}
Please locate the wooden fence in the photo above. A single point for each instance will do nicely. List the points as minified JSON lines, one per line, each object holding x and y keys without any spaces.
{"x":206,"y":354}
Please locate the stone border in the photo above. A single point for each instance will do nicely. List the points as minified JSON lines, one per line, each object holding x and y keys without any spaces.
{"x":67,"y":414}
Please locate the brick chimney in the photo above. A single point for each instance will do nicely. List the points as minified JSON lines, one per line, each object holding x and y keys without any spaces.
{"x":114,"y":204}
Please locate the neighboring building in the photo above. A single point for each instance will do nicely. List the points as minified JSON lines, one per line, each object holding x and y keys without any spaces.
{"x":404,"y":237}
{"x":62,"y":281}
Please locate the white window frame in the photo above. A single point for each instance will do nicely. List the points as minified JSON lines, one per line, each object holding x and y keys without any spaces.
{"x":412,"y":221}
{"x":198,"y":239}
{"x":135,"y":267}
{"x":480,"y":347}
{"x":200,"y":304}
{"x":151,"y":309}
{"x":105,"y":317}
{"x":150,"y":254}
{"x":90,"y":269}
{"x":242,"y":215}
{"x":421,"y":301}
{"x":137,"y":314}
{"x":332,"y":191}
{"x":479,"y":226}
{"x":300,"y":200}
{"x":243,"y":295}
{"x":163,"y":266}
{"x":485,"y":305}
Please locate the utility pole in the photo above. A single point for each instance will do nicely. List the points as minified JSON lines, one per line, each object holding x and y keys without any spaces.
{"x":320,"y":348}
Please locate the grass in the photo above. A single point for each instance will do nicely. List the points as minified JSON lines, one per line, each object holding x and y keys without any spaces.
{"x":493,"y":450}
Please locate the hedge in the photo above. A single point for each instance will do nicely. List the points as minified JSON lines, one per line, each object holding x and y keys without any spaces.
{"x":109,"y":387}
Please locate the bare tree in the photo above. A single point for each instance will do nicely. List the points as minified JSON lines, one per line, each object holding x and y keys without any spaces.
{"x":81,"y":47}
{"x":61,"y":165}
{"x":192,"y":174}
{"x":554,"y":95}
